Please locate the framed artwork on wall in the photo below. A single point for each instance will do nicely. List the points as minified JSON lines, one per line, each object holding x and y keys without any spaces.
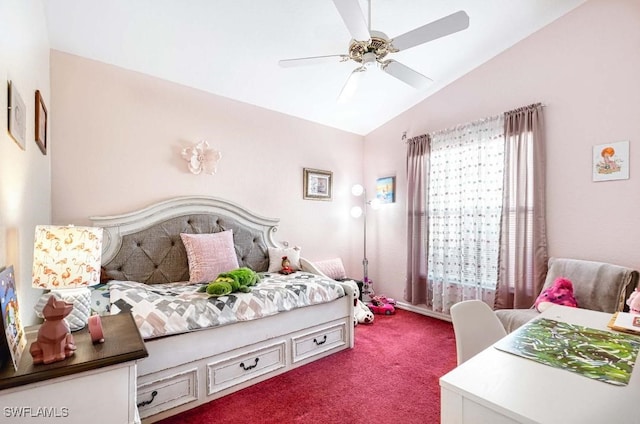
{"x":41,"y":123}
{"x":17,"y":122}
{"x":316,"y":184}
{"x":386,"y":189}
{"x":611,"y":161}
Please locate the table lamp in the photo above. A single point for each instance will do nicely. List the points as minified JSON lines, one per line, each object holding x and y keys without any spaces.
{"x":66,"y":260}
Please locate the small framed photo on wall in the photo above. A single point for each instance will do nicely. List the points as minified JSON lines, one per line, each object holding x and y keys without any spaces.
{"x":611,"y":161}
{"x":17,"y":123}
{"x":41,"y":123}
{"x":386,"y":189}
{"x":316,"y":184}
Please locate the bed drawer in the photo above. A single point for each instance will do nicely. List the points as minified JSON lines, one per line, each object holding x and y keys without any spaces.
{"x":245,"y":367}
{"x":319,"y":341}
{"x":167,"y":393}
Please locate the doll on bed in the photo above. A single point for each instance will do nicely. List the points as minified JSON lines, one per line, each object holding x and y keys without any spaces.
{"x":286,"y":266}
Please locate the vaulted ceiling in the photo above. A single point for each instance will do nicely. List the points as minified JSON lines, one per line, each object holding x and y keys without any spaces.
{"x":231,"y":48}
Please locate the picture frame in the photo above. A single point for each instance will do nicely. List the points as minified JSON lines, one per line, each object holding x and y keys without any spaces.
{"x":17,"y":116}
{"x":611,"y":161}
{"x":317,"y":184}
{"x":14,"y":338}
{"x":41,"y":121}
{"x":386,"y":190}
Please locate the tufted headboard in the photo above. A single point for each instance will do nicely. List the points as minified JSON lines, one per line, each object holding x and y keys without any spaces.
{"x":145,"y":245}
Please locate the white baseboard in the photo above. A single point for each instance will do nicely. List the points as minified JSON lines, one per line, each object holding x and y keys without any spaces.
{"x":423,"y":310}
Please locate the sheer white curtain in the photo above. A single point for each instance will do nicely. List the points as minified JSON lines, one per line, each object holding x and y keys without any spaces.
{"x":464,"y":212}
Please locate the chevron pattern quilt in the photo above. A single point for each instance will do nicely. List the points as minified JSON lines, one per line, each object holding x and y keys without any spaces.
{"x":174,"y":308}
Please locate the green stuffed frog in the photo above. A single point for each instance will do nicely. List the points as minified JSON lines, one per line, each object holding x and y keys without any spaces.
{"x":238,"y":280}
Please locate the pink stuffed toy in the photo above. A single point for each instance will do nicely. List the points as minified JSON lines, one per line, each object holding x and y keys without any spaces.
{"x":634,"y":302}
{"x":560,"y":293}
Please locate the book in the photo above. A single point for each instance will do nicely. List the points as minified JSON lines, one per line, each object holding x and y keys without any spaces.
{"x":625,"y":322}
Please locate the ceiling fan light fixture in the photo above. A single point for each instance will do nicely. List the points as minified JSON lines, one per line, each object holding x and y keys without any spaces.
{"x":370,"y":48}
{"x":369,"y":60}
{"x":351,"y":85}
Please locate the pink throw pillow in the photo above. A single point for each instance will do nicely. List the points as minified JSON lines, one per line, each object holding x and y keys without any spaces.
{"x":209,"y":255}
{"x":332,"y":268}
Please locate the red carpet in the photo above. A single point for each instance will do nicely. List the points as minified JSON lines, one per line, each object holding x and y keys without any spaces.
{"x":391,"y":376}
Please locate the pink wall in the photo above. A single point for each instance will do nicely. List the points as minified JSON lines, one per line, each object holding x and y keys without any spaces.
{"x":25,"y":175}
{"x":118,"y":136}
{"x":585,"y":68}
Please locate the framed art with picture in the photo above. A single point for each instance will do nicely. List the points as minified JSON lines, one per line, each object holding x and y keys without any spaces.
{"x":316,"y":184}
{"x":17,"y":122}
{"x":611,"y":161}
{"x":386,"y":189}
{"x":14,"y":339}
{"x":41,"y":123}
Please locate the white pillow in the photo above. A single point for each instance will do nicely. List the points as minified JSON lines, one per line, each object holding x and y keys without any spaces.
{"x":276,"y":254}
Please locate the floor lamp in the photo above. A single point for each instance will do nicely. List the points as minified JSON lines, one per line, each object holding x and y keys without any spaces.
{"x":356,"y":212}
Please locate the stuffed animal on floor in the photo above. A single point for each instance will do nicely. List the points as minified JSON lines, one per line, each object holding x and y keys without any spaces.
{"x":634,"y":302}
{"x":361,"y":314}
{"x":560,"y":293}
{"x":238,"y":280}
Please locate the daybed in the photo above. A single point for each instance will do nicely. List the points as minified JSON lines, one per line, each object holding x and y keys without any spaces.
{"x":191,"y":368}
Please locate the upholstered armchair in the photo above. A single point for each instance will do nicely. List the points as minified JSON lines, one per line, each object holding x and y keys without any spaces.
{"x":597,"y":286}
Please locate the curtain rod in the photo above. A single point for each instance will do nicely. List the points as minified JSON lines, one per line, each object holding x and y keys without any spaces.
{"x":406,"y":139}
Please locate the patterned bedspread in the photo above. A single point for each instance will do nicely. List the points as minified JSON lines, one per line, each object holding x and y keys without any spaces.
{"x":174,"y":308}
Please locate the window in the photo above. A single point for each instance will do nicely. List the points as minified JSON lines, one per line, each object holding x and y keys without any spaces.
{"x":464,"y":205}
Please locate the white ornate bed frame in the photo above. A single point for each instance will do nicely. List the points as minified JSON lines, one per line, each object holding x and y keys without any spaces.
{"x":187,"y":370}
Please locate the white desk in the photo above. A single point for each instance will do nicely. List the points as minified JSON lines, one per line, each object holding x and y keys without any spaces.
{"x":496,"y":387}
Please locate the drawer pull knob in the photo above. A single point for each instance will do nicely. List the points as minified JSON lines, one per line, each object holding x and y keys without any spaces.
{"x":323,"y":341}
{"x":148,"y":402}
{"x":248,"y":367}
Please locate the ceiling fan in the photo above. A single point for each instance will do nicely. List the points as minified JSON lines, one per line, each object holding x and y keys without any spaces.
{"x":370,"y":48}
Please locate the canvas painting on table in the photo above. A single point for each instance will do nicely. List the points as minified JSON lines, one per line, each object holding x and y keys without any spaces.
{"x":14,"y":332}
{"x":611,"y":161}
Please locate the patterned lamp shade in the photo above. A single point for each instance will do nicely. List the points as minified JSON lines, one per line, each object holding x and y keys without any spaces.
{"x":66,"y":260}
{"x":66,"y":257}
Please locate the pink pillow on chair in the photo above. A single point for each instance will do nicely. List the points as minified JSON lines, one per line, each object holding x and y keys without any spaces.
{"x":209,"y":255}
{"x":560,"y":293}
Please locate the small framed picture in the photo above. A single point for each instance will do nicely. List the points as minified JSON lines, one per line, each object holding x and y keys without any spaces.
{"x":17,"y":116}
{"x":14,"y":335}
{"x":611,"y":161}
{"x":386,"y":189}
{"x":316,"y":184}
{"x":41,"y":123}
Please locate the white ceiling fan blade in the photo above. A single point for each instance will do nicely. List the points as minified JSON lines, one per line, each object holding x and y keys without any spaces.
{"x":351,"y":85}
{"x":405,"y":74}
{"x":314,"y":60}
{"x":433,"y":30}
{"x":353,"y":18}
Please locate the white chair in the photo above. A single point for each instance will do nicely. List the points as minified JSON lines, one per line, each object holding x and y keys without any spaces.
{"x":476,"y":327}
